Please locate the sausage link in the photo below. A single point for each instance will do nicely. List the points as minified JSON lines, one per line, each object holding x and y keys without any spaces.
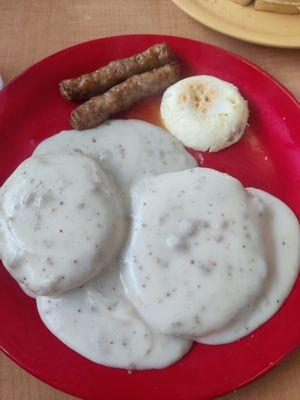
{"x":97,"y":82}
{"x":123,"y":96}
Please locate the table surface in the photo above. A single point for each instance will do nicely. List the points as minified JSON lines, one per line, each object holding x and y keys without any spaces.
{"x":32,"y":29}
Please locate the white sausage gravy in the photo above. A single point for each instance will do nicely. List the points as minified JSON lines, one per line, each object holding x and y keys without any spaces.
{"x":132,"y":252}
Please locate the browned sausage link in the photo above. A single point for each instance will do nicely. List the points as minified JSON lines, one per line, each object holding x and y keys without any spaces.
{"x":97,"y":82}
{"x":123,"y":96}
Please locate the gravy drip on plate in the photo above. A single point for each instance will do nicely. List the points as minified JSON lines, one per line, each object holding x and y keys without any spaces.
{"x":97,"y":321}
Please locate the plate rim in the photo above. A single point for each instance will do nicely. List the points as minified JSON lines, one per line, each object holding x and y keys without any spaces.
{"x":281,"y":87}
{"x":183,"y":5}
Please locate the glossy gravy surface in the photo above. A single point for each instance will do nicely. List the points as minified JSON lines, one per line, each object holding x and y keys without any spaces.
{"x":133,"y":252}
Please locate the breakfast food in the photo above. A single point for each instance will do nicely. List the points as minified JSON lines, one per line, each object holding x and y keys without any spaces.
{"x":203,"y":261}
{"x":88,"y":85}
{"x":278,"y":7}
{"x":123,"y":96}
{"x":204,"y":112}
{"x":282,"y":255}
{"x":242,"y":2}
{"x":214,"y":262}
{"x":108,"y":330}
{"x":126,"y":149}
{"x":59,"y":216}
{"x":131,"y":251}
{"x":119,"y":85}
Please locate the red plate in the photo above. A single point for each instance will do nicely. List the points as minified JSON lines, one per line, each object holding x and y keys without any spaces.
{"x":267,"y":157}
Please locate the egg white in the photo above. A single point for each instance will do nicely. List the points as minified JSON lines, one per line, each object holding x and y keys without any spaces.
{"x":204,"y":112}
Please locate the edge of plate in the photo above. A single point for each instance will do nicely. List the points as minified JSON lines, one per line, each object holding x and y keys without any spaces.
{"x":181,"y":4}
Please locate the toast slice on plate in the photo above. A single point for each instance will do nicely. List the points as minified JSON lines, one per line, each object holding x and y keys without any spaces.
{"x":283,"y":7}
